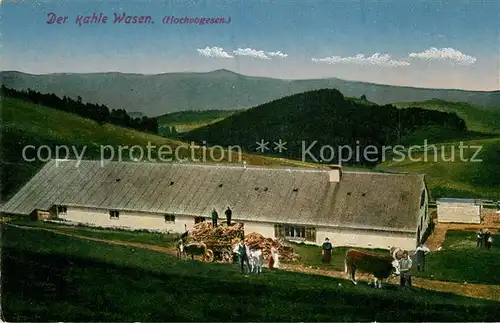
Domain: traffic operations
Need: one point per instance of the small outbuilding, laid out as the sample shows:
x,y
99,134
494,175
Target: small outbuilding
x,y
457,210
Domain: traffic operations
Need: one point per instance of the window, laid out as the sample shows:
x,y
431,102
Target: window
x,y
170,218
114,214
295,232
199,219
62,210
422,199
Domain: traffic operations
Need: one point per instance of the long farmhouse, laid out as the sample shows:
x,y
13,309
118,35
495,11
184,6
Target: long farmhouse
x,y
363,209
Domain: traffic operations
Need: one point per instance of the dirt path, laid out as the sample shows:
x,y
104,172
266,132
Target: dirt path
x,y
491,292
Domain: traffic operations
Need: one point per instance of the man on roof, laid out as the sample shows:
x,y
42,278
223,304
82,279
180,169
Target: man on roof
x,y
228,213
215,217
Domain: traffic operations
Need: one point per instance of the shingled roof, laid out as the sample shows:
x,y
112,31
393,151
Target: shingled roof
x,y
279,195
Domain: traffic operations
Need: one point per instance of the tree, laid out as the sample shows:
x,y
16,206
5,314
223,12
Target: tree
x,y
166,131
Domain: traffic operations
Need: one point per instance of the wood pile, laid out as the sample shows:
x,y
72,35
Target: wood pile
x,y
257,241
230,235
222,234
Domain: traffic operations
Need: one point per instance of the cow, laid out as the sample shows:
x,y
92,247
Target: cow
x,y
192,249
256,260
380,266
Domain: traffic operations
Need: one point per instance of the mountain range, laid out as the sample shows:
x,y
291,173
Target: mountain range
x,y
154,95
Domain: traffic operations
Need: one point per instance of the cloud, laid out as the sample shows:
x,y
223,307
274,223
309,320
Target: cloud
x,y
277,54
376,59
442,54
217,52
251,52
258,53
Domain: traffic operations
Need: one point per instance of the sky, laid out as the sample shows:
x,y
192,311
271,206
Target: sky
x,y
432,44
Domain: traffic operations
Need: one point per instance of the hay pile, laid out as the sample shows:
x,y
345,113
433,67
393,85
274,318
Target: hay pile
x,y
231,235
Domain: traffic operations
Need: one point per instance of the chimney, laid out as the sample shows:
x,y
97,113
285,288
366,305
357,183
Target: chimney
x,y
335,173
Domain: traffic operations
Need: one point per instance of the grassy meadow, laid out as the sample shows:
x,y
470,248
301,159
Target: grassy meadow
x,y
449,175
461,261
138,236
189,120
67,279
477,118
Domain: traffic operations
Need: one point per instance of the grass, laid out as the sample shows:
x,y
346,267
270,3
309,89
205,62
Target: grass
x,y
460,260
189,120
140,236
66,279
450,176
310,255
477,118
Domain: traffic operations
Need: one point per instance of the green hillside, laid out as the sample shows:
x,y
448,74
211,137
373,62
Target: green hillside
x,y
448,175
477,118
26,124
68,279
189,120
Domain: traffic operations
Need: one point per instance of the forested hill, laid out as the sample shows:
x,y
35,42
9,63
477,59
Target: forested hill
x,y
327,118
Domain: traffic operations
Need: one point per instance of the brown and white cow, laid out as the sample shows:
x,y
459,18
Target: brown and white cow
x,y
380,266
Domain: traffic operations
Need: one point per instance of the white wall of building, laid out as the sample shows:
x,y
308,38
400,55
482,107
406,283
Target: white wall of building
x,y
458,213
156,222
127,220
366,239
264,228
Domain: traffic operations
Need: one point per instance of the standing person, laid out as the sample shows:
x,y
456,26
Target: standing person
x,y
271,259
404,269
480,237
215,217
229,213
276,257
489,242
327,251
487,235
421,251
243,256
